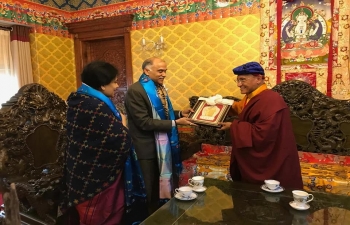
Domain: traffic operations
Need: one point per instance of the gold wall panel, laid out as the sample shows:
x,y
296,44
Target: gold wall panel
x,y
201,55
53,63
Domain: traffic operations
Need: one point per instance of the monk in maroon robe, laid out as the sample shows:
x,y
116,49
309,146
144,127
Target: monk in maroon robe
x,y
263,143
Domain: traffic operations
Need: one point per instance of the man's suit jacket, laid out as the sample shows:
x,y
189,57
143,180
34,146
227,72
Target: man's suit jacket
x,y
141,123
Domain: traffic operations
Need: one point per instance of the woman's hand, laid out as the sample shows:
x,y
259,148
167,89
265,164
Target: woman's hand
x,y
124,120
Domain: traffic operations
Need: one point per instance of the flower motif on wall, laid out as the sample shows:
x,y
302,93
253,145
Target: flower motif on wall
x,y
164,8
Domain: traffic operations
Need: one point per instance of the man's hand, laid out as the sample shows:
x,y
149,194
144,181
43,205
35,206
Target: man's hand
x,y
225,126
186,112
185,121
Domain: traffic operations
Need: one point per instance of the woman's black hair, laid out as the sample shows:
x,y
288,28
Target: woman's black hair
x,y
98,73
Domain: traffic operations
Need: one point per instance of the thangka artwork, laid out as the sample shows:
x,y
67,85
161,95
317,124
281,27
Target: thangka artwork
x,y
305,33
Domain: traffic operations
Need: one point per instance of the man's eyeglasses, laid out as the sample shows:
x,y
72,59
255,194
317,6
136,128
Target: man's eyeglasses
x,y
241,80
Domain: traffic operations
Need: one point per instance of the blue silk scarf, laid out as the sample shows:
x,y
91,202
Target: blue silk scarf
x,y
151,91
87,90
135,191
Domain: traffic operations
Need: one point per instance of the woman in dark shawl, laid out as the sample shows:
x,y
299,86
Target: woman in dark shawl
x,y
102,177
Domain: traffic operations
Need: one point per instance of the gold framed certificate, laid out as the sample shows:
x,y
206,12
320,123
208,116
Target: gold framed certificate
x,y
209,114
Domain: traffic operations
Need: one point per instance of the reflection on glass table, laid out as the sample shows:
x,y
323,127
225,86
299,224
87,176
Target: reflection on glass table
x,y
226,203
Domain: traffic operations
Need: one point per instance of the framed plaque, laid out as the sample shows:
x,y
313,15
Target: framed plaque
x,y
209,114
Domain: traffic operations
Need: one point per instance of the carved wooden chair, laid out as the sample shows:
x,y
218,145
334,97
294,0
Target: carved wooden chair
x,y
32,139
321,124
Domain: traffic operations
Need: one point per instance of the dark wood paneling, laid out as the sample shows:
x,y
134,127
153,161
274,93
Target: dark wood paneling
x,y
87,33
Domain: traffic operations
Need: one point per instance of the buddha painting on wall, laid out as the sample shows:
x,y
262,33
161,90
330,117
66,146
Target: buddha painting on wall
x,y
306,32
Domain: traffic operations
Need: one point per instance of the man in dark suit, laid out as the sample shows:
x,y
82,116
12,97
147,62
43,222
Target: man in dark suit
x,y
150,116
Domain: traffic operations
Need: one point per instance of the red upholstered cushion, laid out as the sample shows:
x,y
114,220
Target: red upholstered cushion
x,y
212,161
215,149
319,158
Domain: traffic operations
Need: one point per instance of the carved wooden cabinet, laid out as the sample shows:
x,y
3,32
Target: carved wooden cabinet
x,y
106,39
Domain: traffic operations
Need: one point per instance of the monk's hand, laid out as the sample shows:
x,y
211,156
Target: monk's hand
x,y
224,125
185,121
186,113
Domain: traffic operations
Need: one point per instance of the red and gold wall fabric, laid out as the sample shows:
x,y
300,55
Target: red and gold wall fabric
x,y
42,19
180,12
73,5
307,40
148,13
151,14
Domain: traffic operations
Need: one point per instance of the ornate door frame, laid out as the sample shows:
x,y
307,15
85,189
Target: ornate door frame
x,y
97,29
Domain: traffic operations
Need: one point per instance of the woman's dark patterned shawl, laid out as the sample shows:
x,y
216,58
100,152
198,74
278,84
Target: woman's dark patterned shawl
x,y
98,145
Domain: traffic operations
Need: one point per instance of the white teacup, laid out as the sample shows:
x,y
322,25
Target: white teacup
x,y
184,192
302,197
272,184
196,181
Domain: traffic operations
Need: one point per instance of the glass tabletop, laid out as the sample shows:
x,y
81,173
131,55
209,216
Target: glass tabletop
x,y
226,203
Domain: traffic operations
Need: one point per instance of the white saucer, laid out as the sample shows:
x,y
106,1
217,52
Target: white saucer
x,y
199,189
279,189
297,207
191,197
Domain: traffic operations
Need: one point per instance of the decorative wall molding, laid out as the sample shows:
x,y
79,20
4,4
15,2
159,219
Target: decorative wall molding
x,y
147,13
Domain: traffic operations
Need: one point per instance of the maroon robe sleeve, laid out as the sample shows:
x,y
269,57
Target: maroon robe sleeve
x,y
245,134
